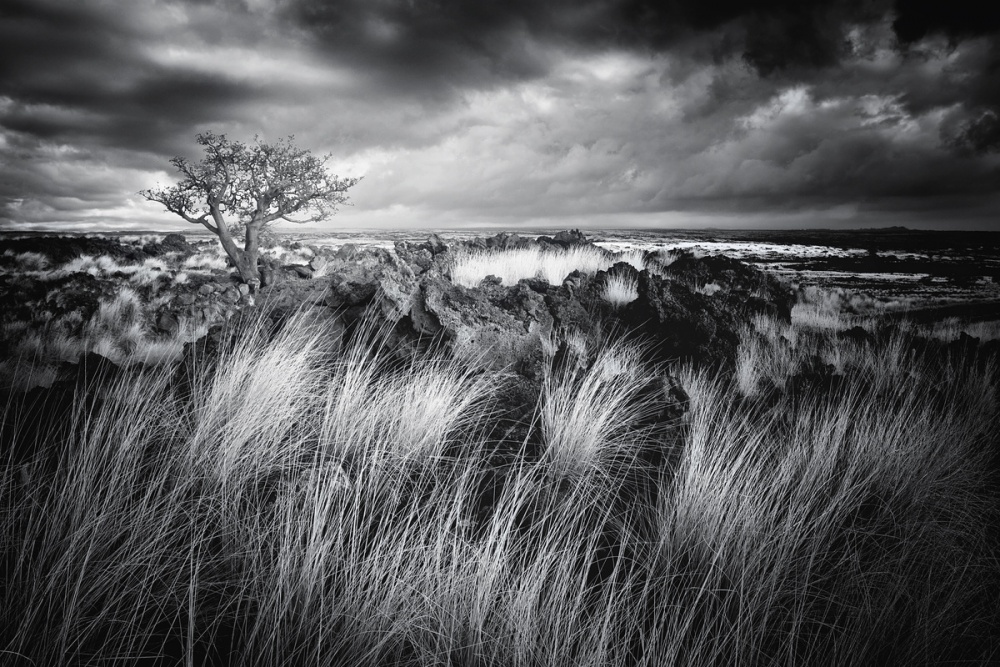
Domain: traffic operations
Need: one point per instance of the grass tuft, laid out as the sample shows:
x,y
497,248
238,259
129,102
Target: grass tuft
x,y
620,290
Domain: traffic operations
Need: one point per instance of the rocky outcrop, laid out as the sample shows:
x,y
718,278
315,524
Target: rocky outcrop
x,y
359,279
680,323
509,326
77,296
564,239
742,287
502,241
171,243
521,327
490,326
430,256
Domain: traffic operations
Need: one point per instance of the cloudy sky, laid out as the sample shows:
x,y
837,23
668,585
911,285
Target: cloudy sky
x,y
592,113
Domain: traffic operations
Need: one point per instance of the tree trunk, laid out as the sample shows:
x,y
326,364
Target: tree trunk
x,y
250,251
235,254
229,245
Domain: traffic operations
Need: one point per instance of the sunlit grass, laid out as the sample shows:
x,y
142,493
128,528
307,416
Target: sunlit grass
x,y
298,500
620,290
510,266
214,259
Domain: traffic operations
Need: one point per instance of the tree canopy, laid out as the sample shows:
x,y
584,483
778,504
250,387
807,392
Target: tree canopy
x,y
245,187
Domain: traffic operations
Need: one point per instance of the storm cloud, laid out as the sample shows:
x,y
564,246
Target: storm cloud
x,y
601,112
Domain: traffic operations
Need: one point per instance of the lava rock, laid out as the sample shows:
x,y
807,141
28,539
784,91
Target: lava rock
x,y
300,270
681,324
743,287
168,323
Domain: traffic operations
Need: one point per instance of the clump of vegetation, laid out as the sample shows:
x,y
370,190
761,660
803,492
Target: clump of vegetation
x,y
298,499
510,266
620,290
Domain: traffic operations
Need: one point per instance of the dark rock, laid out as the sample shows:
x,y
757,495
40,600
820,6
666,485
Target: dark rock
x,y
374,275
186,298
79,292
502,241
61,249
175,243
565,239
206,289
857,335
171,243
681,324
436,245
574,304
168,323
744,288
419,258
285,298
300,270
496,327
267,275
94,370
346,252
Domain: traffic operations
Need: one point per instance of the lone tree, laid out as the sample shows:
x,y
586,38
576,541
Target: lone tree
x,y
246,187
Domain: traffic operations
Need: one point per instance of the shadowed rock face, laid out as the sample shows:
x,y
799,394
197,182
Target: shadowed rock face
x,y
744,289
491,326
681,324
508,327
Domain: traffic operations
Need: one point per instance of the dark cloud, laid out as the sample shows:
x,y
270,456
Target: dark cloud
x,y
981,134
979,90
482,42
955,19
641,106
432,47
80,73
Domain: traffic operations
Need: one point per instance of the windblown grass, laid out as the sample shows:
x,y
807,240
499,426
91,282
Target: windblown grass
x,y
510,266
837,531
296,501
118,330
620,290
213,259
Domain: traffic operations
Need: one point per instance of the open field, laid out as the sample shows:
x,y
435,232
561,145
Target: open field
x,y
362,481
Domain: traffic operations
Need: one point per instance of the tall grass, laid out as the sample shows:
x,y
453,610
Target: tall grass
x,y
300,501
836,531
118,330
510,266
